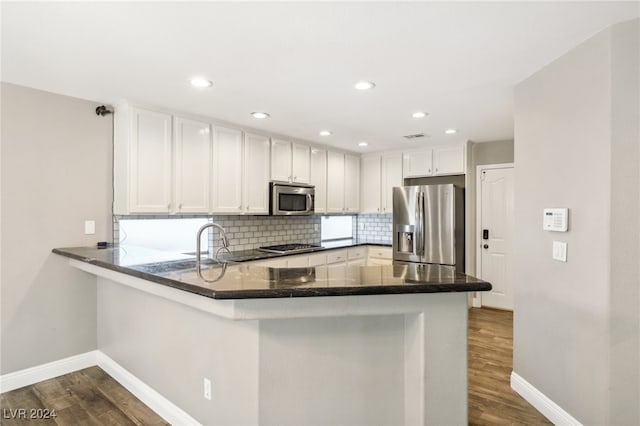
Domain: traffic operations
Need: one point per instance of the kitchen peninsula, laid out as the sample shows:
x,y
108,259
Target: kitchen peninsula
x,y
348,345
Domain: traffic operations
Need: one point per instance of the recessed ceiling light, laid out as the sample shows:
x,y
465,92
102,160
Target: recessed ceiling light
x,y
363,143
260,115
364,85
451,131
325,133
201,82
419,114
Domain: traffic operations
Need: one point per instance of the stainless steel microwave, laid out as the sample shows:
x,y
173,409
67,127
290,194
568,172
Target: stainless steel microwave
x,y
290,198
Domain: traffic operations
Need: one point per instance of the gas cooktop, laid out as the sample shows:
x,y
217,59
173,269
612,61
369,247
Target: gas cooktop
x,y
289,248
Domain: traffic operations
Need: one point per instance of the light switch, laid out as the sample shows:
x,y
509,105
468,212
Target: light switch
x,y
89,227
560,251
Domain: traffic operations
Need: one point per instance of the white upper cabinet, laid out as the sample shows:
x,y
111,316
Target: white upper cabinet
x,y
149,162
352,183
255,198
281,160
335,182
343,183
318,178
289,161
380,173
227,169
370,190
448,160
435,161
300,163
192,165
391,176
417,163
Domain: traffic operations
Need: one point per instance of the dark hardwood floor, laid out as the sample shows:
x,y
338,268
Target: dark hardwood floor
x,y
84,397
491,399
92,397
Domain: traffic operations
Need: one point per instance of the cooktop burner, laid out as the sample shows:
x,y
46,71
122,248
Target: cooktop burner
x,y
289,248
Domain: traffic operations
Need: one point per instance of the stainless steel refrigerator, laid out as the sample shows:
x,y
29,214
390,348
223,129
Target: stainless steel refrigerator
x,y
428,225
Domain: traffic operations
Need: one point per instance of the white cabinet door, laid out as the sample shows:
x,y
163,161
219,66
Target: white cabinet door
x,y
448,160
150,162
352,183
300,163
227,170
318,178
335,182
370,184
192,159
256,174
417,163
281,160
391,176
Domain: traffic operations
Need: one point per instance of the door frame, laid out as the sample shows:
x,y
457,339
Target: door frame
x,y
476,301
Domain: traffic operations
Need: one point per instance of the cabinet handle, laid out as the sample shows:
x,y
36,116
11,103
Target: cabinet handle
x,y
436,169
169,206
429,170
180,206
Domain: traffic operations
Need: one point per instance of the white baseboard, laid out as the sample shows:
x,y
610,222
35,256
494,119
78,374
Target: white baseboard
x,y
547,407
154,400
29,376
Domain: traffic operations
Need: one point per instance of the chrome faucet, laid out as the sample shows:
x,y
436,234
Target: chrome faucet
x,y
223,238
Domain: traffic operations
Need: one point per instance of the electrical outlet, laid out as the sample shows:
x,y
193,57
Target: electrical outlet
x,y
207,389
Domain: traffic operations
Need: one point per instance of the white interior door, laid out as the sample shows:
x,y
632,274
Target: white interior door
x,y
495,229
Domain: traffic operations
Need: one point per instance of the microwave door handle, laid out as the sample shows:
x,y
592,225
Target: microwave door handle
x,y
309,203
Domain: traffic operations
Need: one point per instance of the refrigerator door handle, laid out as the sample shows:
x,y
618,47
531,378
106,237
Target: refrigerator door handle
x,y
420,224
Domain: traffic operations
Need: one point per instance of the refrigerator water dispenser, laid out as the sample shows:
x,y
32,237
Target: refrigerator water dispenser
x,y
405,239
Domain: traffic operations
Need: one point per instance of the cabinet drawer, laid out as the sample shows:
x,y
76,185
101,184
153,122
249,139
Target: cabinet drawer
x,y
380,252
356,253
297,261
317,259
336,256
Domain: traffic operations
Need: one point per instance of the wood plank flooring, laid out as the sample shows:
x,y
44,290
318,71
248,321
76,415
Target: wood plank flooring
x,y
84,397
491,399
92,397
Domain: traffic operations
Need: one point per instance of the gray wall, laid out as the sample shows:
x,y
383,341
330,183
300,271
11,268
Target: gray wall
x,y
56,173
480,154
491,152
575,148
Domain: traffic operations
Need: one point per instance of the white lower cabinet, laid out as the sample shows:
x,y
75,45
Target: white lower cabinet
x,y
333,259
301,261
378,255
317,259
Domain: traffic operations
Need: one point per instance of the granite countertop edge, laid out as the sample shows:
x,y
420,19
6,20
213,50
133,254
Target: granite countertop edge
x,y
427,287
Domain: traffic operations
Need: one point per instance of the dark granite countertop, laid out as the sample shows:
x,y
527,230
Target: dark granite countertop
x,y
245,281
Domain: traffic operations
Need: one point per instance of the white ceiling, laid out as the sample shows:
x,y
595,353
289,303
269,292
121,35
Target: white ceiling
x,y
458,61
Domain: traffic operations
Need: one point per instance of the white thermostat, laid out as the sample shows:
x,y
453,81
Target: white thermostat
x,y
556,220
